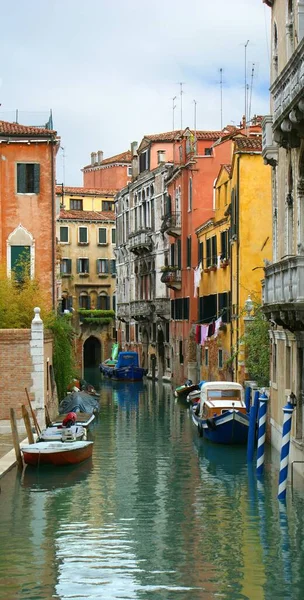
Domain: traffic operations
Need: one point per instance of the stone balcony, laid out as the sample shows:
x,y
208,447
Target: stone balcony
x,y
283,292
141,241
123,311
162,308
288,101
172,277
141,310
172,224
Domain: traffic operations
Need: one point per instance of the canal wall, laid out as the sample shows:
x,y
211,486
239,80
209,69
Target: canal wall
x,y
26,362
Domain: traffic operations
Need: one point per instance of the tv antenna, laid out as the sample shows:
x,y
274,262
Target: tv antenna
x,y
245,77
181,83
250,95
173,109
195,103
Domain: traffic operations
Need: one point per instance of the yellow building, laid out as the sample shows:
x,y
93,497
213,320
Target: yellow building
x,y
232,249
86,236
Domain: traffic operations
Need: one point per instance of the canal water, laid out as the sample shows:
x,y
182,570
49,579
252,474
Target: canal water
x,y
158,514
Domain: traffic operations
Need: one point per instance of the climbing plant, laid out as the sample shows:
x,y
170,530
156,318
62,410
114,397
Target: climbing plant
x,y
64,363
257,346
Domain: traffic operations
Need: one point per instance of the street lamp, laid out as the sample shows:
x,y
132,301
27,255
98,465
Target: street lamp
x,y
249,306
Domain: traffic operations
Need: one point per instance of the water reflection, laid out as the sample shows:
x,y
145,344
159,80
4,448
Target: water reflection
x,y
158,514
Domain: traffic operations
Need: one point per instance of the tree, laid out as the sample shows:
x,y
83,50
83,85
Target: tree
x,y
257,345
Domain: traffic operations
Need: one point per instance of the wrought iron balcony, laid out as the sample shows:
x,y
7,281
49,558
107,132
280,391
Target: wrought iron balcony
x,y
283,292
172,277
140,310
123,311
141,241
172,224
288,101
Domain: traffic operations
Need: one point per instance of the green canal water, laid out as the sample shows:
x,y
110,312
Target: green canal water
x,y
158,514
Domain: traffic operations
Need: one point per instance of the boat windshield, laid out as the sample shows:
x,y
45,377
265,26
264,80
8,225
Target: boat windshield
x,y
219,394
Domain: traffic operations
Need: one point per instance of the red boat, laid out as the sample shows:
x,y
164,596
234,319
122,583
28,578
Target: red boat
x,y
57,453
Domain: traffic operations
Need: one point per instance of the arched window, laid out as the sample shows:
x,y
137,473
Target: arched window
x,y
103,301
84,300
20,252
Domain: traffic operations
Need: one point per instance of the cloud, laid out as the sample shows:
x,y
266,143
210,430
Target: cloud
x,y
110,70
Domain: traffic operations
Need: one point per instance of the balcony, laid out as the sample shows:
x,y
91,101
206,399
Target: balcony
x,y
283,293
172,277
172,224
141,310
141,242
162,308
123,311
269,146
288,101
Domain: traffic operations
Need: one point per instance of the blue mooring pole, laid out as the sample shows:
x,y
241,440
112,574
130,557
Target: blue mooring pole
x,y
252,427
247,398
287,410
263,400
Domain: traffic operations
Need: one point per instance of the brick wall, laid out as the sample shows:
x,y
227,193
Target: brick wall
x,y
16,368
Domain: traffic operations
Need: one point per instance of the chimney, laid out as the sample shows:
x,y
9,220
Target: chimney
x,y
93,158
134,159
99,156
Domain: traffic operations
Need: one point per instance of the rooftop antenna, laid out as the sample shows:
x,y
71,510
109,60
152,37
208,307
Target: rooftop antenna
x,y
245,76
251,86
195,103
221,92
173,109
63,164
181,102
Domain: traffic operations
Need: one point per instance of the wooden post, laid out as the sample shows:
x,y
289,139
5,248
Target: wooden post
x,y
16,438
27,424
38,430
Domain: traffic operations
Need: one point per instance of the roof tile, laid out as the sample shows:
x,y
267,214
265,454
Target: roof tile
x,y
7,128
87,215
248,144
81,191
123,157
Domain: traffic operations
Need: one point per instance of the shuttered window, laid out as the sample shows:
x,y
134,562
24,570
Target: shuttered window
x,y
83,235
102,235
28,178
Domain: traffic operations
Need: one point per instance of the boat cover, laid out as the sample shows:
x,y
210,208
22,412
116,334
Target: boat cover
x,y
79,402
127,359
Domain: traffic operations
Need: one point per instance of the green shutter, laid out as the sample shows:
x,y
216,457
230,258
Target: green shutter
x,y
36,189
21,178
113,235
97,266
78,265
107,303
114,302
113,266
106,266
102,235
83,237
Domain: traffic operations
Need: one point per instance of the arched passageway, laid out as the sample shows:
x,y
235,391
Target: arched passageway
x,y
92,360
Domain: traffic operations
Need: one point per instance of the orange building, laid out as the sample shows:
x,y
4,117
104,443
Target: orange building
x,y
27,202
190,203
108,173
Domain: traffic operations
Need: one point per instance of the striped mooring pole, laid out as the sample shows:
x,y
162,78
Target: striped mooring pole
x,y
287,410
263,401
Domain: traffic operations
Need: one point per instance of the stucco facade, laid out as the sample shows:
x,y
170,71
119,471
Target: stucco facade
x,y
111,173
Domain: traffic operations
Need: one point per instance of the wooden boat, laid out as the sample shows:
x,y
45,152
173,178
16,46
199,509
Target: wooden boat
x,y
125,368
57,453
194,396
182,391
220,415
83,419
58,433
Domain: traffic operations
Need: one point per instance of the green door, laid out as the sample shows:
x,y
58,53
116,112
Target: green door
x,y
20,261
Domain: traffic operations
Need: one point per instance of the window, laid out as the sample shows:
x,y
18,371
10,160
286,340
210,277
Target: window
x,y
224,245
224,311
64,235
208,253
214,250
189,251
84,301
114,306
129,171
144,161
102,265
113,234
220,358
103,301
28,178
65,266
179,254
206,357
190,194
20,261
108,205
83,235
200,253
161,156
102,235
181,357
113,266
76,204
82,266
208,151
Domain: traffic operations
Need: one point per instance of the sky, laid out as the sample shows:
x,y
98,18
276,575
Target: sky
x,y
109,70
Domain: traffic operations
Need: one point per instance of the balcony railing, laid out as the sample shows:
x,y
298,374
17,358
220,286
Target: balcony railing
x,y
172,277
140,309
283,292
172,224
288,100
162,307
141,241
123,311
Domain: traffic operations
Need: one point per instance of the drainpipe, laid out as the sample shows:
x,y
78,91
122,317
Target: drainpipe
x,y
237,205
53,222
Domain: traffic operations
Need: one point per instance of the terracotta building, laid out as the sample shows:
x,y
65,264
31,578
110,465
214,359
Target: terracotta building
x,y
283,152
86,234
108,173
27,202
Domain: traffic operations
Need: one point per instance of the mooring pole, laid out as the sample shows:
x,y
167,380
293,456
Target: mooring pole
x,y
287,410
263,401
16,438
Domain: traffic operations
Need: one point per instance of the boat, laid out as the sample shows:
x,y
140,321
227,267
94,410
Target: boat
x,y
66,431
194,396
82,419
220,415
79,402
125,368
57,453
182,391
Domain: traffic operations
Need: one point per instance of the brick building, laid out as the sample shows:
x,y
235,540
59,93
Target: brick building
x,y
108,173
